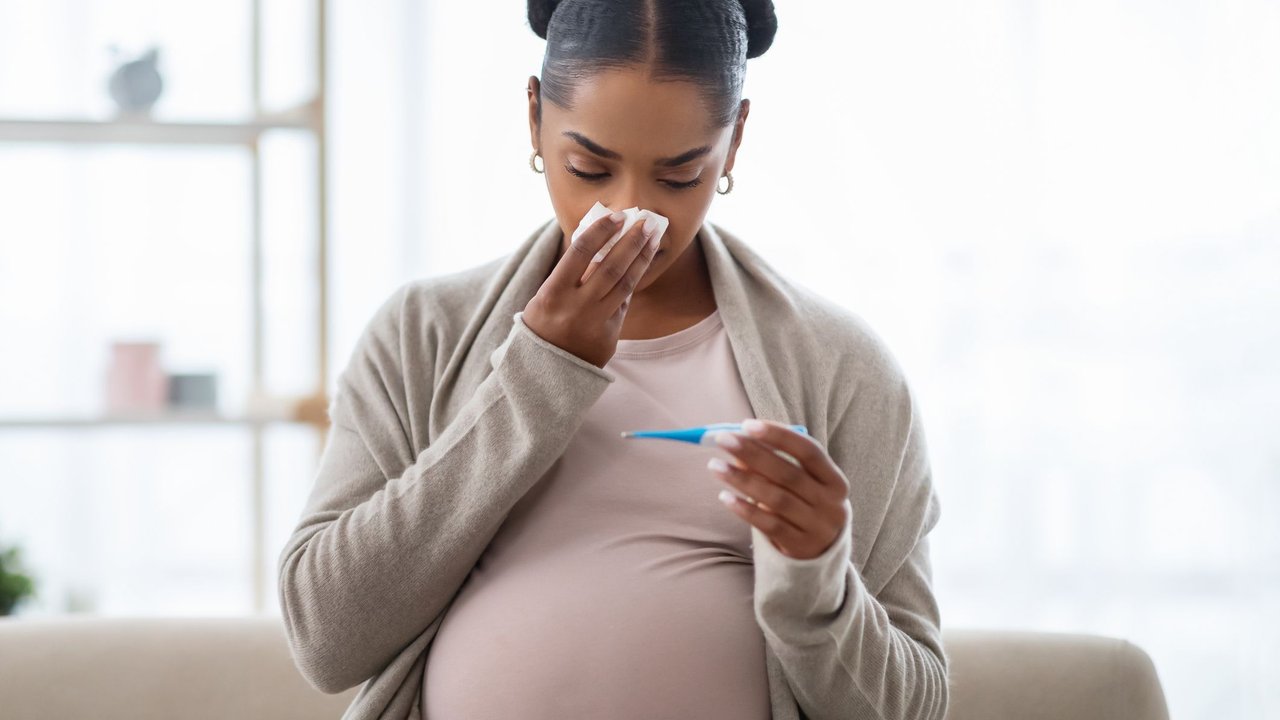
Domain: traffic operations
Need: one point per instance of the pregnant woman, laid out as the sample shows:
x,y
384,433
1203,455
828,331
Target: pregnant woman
x,y
481,542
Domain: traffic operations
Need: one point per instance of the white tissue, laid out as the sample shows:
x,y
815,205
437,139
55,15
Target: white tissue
x,y
633,215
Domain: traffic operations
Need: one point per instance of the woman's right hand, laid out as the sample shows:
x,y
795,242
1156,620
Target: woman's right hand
x,y
585,317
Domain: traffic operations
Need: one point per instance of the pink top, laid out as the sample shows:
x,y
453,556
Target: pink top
x,y
618,586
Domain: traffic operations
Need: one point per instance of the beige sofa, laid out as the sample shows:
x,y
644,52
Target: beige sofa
x,y
82,666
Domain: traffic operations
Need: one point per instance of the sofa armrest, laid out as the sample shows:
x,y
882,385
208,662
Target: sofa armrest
x,y
1028,675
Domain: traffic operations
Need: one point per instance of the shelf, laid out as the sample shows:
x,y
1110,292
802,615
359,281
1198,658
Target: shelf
x,y
307,411
175,418
144,131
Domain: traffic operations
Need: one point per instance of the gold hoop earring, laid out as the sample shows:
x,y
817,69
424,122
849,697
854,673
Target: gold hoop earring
x,y
727,190
535,167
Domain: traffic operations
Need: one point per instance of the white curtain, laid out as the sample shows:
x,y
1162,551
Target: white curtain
x,y
1063,217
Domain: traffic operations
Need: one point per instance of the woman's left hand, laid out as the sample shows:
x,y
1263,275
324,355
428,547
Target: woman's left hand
x,y
801,506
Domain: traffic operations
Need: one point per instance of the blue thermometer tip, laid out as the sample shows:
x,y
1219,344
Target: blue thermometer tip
x,y
697,435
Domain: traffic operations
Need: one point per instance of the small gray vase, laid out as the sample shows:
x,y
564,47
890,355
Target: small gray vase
x,y
136,85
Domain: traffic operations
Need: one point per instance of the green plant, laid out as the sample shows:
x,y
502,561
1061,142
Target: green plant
x,y
14,585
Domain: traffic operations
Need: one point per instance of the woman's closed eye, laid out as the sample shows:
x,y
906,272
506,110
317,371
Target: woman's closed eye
x,y
596,177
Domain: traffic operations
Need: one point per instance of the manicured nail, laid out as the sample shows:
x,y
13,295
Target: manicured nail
x,y
752,426
726,497
718,465
726,439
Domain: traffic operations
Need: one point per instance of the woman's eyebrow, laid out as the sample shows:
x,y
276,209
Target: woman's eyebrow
x,y
604,152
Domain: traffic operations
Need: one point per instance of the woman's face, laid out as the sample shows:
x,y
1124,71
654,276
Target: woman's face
x,y
639,143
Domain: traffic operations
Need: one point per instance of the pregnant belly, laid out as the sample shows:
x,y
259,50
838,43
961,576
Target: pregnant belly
x,y
622,635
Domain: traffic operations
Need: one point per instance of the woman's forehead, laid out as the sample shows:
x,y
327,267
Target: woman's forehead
x,y
629,113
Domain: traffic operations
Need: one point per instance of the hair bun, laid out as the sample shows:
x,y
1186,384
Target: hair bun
x,y
762,25
540,15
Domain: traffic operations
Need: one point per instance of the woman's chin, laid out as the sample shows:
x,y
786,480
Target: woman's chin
x,y
652,272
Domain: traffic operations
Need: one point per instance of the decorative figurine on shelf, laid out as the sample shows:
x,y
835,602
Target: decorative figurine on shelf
x,y
136,85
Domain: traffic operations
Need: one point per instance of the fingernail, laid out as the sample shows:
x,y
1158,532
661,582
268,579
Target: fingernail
x,y
752,426
726,497
726,439
718,465
650,224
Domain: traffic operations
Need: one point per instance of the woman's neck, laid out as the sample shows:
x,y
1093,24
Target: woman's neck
x,y
677,299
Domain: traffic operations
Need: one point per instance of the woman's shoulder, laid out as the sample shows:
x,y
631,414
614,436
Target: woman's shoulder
x,y
423,313
451,294
821,330
844,336
442,298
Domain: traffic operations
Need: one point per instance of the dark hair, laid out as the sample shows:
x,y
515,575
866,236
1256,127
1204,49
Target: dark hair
x,y
706,42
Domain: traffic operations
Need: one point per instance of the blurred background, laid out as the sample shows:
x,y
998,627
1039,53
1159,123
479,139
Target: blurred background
x,y
1064,218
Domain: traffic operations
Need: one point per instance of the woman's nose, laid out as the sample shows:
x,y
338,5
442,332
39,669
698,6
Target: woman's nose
x,y
632,194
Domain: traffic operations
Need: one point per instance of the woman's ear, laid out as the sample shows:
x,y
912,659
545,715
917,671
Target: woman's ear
x,y
533,111
743,108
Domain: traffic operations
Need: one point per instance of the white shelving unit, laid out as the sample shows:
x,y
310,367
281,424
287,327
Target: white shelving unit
x,y
153,132
263,410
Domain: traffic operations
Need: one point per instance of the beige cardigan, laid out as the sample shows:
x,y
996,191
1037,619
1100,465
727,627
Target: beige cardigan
x,y
450,408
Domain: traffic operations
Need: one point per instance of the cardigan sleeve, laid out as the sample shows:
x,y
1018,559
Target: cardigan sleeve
x,y
854,644
381,549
